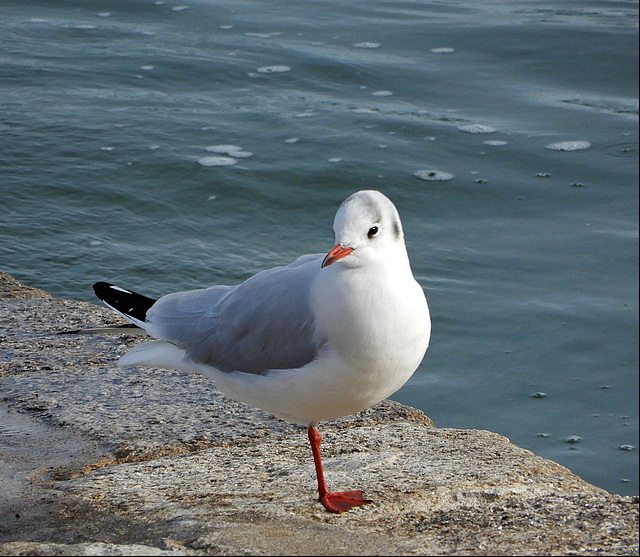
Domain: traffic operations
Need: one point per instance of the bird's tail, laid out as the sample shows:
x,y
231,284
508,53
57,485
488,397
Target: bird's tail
x,y
131,305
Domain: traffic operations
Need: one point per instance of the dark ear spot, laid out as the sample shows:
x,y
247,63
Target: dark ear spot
x,y
397,229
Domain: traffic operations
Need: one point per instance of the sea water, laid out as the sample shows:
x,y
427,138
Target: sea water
x,y
168,145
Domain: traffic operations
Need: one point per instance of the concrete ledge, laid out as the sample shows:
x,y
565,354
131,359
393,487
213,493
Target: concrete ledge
x,y
97,460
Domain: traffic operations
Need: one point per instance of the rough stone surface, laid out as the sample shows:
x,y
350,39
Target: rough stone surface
x,y
11,288
98,460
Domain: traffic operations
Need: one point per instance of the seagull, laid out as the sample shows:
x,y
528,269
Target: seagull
x,y
324,337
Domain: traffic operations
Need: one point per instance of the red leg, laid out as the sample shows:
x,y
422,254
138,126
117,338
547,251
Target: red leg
x,y
333,502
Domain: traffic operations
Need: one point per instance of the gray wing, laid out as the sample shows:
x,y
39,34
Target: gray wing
x,y
264,323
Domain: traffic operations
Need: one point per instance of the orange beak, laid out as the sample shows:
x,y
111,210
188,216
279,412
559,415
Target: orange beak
x,y
336,253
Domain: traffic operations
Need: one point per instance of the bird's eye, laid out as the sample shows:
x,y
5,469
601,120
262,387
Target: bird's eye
x,y
372,231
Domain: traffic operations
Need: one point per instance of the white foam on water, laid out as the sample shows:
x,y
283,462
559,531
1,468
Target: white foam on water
x,y
274,69
147,68
179,8
264,35
292,140
234,151
443,50
476,128
103,14
335,159
382,93
568,146
433,175
225,149
496,142
217,161
367,44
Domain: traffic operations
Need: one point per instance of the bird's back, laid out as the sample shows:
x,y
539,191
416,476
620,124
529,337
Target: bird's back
x,y
248,327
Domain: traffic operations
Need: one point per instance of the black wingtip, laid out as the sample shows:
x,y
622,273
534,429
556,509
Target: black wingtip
x,y
100,289
125,301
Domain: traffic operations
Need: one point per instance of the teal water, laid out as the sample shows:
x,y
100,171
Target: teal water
x,y
113,120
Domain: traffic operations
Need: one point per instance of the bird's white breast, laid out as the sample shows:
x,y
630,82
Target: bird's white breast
x,y
376,320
